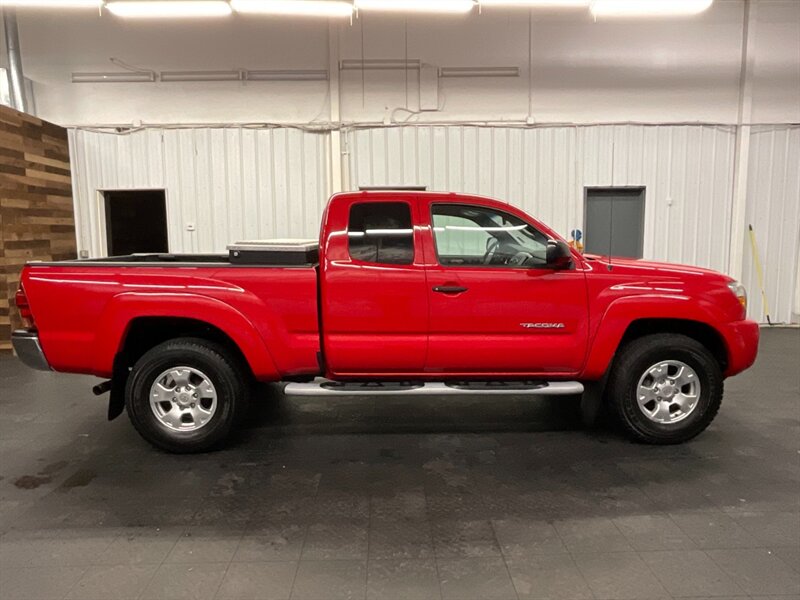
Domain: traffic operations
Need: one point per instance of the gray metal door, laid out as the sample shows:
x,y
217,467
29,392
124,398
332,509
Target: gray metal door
x,y
614,221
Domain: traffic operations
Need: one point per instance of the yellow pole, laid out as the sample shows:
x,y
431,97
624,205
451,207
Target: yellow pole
x,y
759,272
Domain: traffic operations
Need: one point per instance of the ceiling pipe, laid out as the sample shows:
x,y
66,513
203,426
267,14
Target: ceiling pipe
x,y
17,79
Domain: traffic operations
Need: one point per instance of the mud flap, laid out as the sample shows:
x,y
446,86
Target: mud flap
x,y
592,403
116,400
119,380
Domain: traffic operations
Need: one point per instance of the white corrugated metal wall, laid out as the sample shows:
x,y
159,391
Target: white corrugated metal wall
x,y
237,183
230,183
773,194
687,172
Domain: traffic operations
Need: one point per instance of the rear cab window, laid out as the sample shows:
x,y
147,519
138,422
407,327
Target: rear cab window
x,y
381,233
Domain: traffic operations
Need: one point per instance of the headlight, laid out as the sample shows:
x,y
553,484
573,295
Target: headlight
x,y
740,293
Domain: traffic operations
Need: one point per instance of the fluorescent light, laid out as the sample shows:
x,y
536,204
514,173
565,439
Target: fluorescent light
x,y
120,77
51,3
173,76
537,3
379,64
158,9
479,72
648,8
287,75
426,6
303,8
200,76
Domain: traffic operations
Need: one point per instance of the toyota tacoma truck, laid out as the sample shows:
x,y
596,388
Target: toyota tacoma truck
x,y
405,293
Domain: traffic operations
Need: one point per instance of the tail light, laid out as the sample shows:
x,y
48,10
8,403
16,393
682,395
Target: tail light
x,y
21,300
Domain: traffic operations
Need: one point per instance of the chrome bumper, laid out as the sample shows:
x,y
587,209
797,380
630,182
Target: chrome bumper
x,y
29,350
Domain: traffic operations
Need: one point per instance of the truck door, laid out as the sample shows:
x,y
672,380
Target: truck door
x,y
495,307
373,288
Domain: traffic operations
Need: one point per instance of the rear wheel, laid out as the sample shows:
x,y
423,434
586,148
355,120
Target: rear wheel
x,y
665,388
186,395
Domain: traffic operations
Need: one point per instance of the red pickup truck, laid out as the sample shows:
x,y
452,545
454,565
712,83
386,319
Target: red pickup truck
x,y
409,293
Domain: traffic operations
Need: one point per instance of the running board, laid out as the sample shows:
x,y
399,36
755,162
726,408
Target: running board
x,y
325,387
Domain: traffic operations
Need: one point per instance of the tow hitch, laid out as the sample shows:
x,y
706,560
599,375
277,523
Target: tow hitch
x,y
102,388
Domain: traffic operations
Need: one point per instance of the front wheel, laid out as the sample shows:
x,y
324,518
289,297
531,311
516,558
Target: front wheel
x,y
665,388
186,395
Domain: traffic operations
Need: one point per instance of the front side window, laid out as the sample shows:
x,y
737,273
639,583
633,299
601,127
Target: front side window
x,y
476,236
381,232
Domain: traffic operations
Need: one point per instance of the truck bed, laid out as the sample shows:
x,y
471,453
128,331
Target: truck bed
x,y
84,308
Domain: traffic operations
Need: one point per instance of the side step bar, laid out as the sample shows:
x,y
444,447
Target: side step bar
x,y
325,387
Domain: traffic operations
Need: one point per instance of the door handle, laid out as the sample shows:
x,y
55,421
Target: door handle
x,y
449,289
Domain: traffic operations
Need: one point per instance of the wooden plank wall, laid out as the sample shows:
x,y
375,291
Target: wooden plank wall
x,y
36,211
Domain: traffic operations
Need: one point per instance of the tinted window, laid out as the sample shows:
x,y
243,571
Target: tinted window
x,y
483,237
381,232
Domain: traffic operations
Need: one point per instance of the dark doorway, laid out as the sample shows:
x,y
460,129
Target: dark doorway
x,y
136,221
615,221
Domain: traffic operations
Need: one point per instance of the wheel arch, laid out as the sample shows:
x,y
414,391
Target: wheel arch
x,y
614,333
131,325
144,333
701,332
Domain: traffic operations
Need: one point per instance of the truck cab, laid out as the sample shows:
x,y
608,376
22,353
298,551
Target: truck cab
x,y
448,285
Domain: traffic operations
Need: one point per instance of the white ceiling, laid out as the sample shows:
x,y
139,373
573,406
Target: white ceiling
x,y
613,70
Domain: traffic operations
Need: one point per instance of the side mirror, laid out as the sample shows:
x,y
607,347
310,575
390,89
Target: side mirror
x,y
558,255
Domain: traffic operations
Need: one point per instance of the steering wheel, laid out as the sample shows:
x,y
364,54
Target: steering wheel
x,y
519,259
491,247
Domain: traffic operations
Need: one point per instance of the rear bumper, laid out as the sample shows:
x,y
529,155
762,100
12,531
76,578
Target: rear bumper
x,y
741,338
29,350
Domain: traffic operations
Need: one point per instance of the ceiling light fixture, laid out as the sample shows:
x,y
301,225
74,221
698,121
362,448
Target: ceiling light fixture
x,y
51,3
379,64
479,72
138,77
302,8
417,6
648,8
287,75
164,9
537,3
178,76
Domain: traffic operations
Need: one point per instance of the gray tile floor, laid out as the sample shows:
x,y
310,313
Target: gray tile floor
x,y
402,499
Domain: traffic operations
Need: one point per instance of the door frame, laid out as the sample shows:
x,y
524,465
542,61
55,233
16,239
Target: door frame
x,y
100,229
338,258
434,268
641,188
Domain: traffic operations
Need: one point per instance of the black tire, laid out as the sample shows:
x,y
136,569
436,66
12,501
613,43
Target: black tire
x,y
632,362
229,379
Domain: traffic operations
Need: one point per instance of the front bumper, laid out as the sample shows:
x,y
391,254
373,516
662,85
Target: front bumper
x,y
741,338
29,350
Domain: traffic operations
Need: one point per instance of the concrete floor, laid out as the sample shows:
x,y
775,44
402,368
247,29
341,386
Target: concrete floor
x,y
402,499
